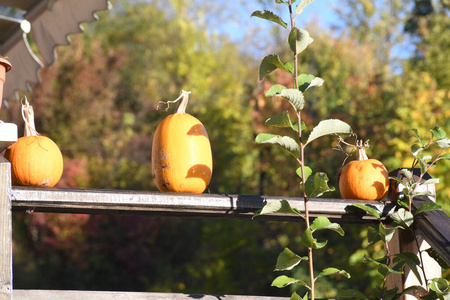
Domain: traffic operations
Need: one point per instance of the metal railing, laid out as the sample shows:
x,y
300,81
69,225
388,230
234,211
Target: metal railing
x,y
433,226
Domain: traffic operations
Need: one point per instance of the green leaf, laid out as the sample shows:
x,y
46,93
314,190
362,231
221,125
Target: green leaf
x,y
433,254
416,149
279,206
294,96
403,203
310,242
413,290
308,239
386,234
284,120
283,281
327,127
304,81
430,181
299,39
308,172
438,133
333,271
368,209
319,245
391,294
407,173
385,270
402,219
424,157
373,235
353,294
321,223
445,156
302,6
285,142
270,16
280,120
295,296
423,164
383,265
368,259
416,134
317,81
274,89
443,143
411,260
425,193
440,286
295,126
289,67
427,207
287,260
270,63
317,184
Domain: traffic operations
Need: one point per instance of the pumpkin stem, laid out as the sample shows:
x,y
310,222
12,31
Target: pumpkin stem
x,y
360,152
181,108
28,117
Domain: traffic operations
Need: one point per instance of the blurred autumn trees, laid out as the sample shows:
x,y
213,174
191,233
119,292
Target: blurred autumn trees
x,y
385,69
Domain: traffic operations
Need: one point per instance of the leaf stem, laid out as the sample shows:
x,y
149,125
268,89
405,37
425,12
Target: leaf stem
x,y
302,161
295,54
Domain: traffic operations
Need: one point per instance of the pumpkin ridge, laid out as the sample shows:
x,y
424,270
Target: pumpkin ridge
x,y
182,145
364,178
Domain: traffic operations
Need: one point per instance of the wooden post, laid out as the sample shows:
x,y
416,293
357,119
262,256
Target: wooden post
x,y
403,242
5,231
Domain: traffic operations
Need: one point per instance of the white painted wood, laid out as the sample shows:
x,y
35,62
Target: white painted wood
x,y
95,295
435,227
5,231
8,135
431,226
177,204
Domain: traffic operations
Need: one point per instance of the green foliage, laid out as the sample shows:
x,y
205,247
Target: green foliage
x,y
412,185
281,206
285,142
283,281
403,219
268,15
98,102
288,260
313,185
329,127
317,185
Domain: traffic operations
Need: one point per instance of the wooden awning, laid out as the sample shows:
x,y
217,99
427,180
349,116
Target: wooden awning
x,y
50,22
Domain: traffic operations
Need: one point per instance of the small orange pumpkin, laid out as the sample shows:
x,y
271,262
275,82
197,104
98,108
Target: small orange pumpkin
x,y
35,159
181,152
364,178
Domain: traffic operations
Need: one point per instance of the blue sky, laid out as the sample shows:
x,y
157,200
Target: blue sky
x,y
319,10
252,33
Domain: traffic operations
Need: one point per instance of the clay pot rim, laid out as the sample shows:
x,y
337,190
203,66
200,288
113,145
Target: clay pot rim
x,y
5,63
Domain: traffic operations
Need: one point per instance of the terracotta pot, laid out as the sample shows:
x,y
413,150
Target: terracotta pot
x,y
5,66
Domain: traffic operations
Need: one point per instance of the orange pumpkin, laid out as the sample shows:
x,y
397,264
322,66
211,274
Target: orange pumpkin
x,y
35,160
364,178
181,153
